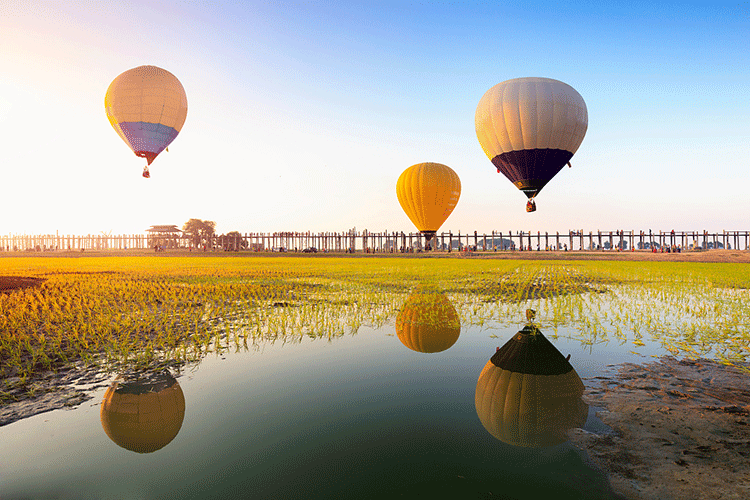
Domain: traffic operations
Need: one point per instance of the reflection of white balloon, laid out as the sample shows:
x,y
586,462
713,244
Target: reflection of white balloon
x,y
528,394
530,128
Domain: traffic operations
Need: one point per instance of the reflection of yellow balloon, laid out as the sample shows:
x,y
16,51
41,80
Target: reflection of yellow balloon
x,y
528,394
143,415
428,322
428,193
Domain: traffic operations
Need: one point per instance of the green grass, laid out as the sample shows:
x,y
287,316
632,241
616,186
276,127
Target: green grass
x,y
148,311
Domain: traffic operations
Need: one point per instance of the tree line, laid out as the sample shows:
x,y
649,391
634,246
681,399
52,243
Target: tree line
x,y
203,232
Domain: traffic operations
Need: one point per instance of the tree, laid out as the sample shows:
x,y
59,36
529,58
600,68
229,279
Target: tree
x,y
232,241
200,231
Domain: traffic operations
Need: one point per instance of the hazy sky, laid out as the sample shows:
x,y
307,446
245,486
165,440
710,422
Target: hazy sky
x,y
301,116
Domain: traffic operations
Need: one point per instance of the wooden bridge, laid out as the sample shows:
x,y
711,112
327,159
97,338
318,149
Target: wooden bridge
x,y
392,242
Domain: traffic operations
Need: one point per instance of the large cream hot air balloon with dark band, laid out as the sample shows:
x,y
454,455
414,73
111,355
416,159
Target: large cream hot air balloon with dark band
x,y
147,107
530,128
143,413
428,193
528,394
428,322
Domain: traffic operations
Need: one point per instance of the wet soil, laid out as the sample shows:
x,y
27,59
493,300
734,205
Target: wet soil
x,y
66,388
681,430
10,283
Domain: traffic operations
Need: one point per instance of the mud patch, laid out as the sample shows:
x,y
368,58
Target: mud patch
x,y
10,283
65,389
681,430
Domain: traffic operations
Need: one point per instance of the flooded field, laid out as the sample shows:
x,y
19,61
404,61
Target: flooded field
x,y
338,378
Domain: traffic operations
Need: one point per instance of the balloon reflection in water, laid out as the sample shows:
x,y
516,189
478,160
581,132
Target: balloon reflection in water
x,y
428,322
528,394
143,413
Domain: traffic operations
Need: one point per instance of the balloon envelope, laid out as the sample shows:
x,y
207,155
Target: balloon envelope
x,y
147,107
428,193
530,128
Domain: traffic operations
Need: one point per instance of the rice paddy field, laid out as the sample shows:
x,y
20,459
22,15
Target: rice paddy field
x,y
153,311
306,377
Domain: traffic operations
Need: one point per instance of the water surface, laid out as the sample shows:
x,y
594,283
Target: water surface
x,y
359,416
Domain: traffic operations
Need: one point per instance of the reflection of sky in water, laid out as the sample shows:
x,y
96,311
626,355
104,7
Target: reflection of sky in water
x,y
360,416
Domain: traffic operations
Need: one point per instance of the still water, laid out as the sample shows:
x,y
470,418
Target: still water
x,y
359,416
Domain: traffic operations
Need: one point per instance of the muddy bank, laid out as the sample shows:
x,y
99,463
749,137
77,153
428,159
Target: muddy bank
x,y
67,388
11,283
681,430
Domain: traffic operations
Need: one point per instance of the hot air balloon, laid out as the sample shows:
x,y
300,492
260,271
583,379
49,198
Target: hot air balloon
x,y
143,413
428,322
428,193
528,394
147,107
530,128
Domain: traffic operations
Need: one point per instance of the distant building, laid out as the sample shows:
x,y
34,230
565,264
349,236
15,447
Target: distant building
x,y
164,236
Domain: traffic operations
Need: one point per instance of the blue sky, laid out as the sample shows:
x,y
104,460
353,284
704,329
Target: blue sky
x,y
301,116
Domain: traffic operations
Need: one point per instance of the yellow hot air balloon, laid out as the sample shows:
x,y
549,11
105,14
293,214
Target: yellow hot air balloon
x,y
144,413
428,322
530,128
428,193
528,394
147,107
